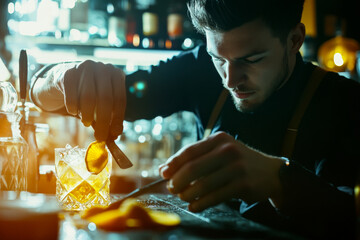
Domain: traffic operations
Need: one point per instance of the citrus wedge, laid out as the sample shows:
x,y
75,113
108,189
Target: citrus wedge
x,y
133,215
164,218
96,157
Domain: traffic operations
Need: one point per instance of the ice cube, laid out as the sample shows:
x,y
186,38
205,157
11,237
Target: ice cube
x,y
75,150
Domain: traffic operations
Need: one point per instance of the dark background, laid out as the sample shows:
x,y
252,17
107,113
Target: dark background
x,y
346,10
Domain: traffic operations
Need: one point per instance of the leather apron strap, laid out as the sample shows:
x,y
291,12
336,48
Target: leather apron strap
x,y
215,113
292,129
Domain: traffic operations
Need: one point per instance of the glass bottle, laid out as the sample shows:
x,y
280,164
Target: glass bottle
x,y
132,23
97,18
150,26
175,19
117,26
29,134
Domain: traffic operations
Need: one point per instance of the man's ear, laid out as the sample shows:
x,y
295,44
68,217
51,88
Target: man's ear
x,y
296,37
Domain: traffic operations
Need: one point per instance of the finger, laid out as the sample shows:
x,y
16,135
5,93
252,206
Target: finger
x,y
87,97
162,167
119,94
216,197
191,152
71,85
197,169
104,103
210,162
210,183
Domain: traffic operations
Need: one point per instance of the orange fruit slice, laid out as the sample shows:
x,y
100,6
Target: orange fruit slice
x,y
164,218
133,215
96,157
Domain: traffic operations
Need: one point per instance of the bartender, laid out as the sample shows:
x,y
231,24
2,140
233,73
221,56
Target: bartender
x,y
285,137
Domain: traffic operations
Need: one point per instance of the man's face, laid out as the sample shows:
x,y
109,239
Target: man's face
x,y
251,62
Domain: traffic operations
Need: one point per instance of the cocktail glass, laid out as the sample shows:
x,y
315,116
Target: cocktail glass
x,y
76,188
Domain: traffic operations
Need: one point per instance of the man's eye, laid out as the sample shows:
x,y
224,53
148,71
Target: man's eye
x,y
253,60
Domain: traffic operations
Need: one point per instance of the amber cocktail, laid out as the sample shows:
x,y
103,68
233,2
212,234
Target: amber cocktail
x,y
77,188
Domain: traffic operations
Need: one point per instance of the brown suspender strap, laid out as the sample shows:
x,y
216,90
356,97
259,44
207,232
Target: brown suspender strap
x,y
215,113
291,132
292,129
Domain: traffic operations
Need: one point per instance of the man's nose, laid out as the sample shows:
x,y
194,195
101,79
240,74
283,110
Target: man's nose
x,y
235,75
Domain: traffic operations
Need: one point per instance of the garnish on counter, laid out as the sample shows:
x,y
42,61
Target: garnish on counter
x,y
96,157
131,215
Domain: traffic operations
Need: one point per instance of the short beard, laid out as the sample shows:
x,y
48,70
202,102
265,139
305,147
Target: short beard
x,y
283,75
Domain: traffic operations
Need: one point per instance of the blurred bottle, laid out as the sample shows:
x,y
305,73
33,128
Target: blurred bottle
x,y
175,20
98,19
133,23
150,25
29,135
63,22
28,132
117,24
47,23
79,15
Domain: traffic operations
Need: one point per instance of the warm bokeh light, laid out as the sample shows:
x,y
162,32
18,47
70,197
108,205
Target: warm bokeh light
x,y
338,54
168,44
136,40
338,59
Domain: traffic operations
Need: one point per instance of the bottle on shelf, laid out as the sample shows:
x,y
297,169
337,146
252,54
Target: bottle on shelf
x,y
117,24
174,28
150,25
132,23
97,19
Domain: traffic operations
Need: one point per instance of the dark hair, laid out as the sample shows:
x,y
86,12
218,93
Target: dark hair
x,y
223,15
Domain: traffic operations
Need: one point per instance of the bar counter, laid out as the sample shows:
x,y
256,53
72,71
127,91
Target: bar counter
x,y
42,219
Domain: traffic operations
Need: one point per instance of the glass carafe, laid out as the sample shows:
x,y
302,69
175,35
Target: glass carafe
x,y
13,148
13,154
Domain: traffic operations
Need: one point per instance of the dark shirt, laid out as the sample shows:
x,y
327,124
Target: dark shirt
x,y
318,188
